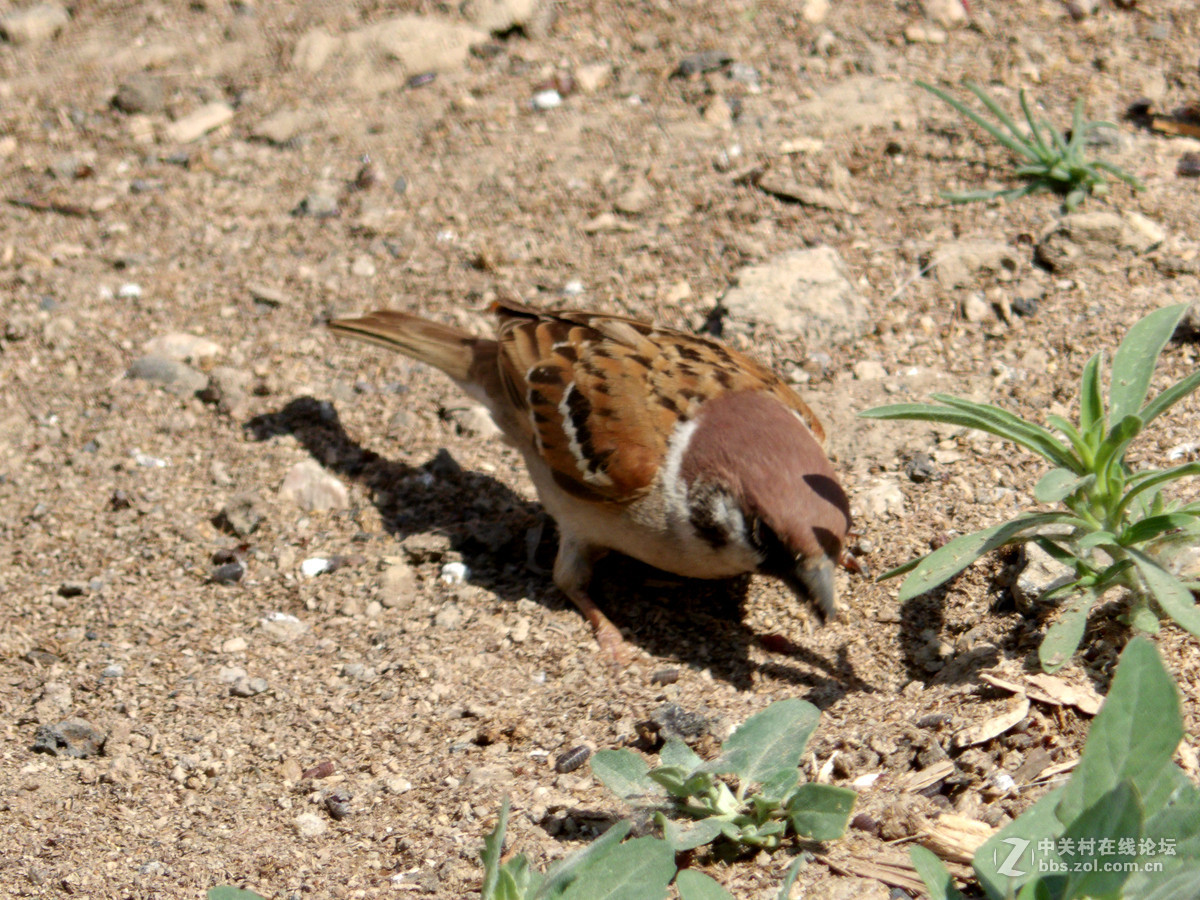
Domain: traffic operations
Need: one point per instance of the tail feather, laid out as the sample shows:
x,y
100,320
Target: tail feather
x,y
450,349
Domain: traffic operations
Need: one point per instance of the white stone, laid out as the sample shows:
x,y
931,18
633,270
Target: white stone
x,y
312,488
199,123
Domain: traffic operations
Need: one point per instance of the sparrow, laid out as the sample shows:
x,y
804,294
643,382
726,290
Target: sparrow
x,y
665,446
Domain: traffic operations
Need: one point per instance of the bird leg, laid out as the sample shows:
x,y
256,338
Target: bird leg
x,y
572,574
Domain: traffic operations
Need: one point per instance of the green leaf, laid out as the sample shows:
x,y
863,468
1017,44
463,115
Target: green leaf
x,y
1014,144
820,811
1004,424
947,561
1134,362
1134,735
698,886
565,872
1170,397
1147,529
493,848
676,753
789,879
703,832
1116,815
937,880
1091,400
1170,594
1043,444
225,892
779,785
639,869
624,773
1059,483
675,780
1112,448
1142,618
1143,481
1063,637
768,742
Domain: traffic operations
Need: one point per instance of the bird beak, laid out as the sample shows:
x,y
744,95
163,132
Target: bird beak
x,y
815,582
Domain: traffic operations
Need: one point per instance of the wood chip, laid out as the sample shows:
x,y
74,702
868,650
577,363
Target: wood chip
x,y
915,782
955,837
995,726
1052,690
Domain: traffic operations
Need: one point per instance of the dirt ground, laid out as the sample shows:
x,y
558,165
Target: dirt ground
x,y
431,700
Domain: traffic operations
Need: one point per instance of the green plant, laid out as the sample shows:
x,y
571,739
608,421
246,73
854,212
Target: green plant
x,y
605,869
227,892
765,751
1126,824
1051,161
1116,529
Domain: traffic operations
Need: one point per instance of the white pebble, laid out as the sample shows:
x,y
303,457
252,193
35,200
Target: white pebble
x,y
543,100
315,565
573,288
455,573
152,462
129,291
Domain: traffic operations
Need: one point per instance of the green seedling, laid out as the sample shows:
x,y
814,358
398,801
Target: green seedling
x,y
606,869
1126,824
1115,528
1049,161
760,804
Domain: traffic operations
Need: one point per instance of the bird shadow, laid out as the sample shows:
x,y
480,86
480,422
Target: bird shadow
x,y
695,622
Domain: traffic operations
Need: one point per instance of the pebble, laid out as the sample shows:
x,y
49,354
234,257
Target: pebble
x,y
129,291
200,122
922,33
884,498
234,645
974,308
961,263
229,573
310,825
814,12
454,573
397,585
705,61
869,370
230,674
338,805
803,294
475,421
544,100
363,267
320,203
248,687
1087,238
283,127
71,737
115,670
313,489
182,347
591,77
1039,573
148,461
140,93
636,200
316,565
34,24
72,589
920,468
282,627
744,73
177,377
449,617
240,516
947,13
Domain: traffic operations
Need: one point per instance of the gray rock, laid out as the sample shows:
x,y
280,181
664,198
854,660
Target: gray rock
x,y
961,263
229,573
175,376
141,93
184,347
313,489
70,737
34,24
1040,572
801,294
241,516
283,127
321,202
228,388
248,687
1089,238
282,627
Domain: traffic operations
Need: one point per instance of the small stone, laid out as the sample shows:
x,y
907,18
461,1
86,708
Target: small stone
x,y
1040,572
320,203
71,737
316,565
234,645
544,100
869,370
58,332
230,674
363,267
449,617
705,61
229,573
199,123
397,585
920,468
947,13
140,93
115,670
884,498
248,687
744,73
312,488
636,200
814,12
338,805
961,263
975,308
591,77
129,291
397,785
281,128
310,825
475,421
519,633
268,296
923,33
454,573
240,516
34,24
183,347
177,377
72,589
282,627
